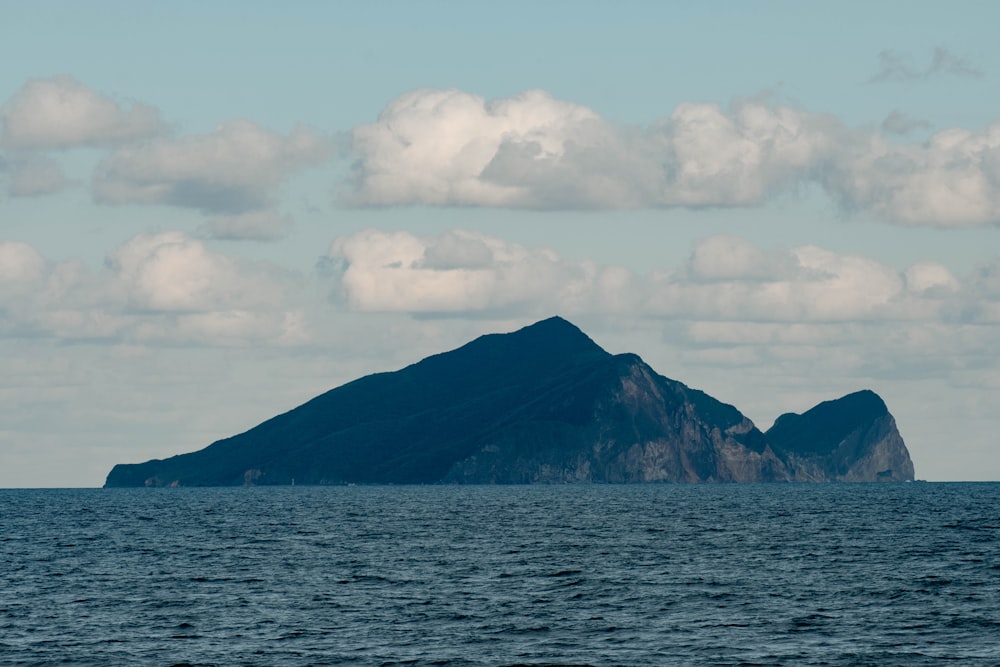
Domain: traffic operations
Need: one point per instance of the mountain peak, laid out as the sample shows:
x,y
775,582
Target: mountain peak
x,y
540,347
554,328
558,332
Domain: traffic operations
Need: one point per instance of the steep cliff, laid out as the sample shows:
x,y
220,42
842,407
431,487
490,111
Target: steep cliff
x,y
851,439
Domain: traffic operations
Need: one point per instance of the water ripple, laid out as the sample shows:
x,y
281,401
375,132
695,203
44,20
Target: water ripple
x,y
589,575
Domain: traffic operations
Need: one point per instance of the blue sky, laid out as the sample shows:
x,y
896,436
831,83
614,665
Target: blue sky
x,y
211,212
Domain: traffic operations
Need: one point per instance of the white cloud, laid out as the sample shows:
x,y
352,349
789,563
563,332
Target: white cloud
x,y
234,169
60,112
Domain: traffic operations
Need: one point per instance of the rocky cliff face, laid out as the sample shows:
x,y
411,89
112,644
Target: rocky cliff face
x,y
638,427
543,404
851,439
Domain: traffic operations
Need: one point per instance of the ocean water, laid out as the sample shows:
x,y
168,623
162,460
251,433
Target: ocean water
x,y
849,574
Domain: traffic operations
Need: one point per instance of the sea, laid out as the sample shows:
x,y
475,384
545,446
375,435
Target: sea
x,y
770,574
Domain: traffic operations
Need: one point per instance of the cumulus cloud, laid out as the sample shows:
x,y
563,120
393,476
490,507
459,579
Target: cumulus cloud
x,y
232,170
895,66
60,112
431,146
533,151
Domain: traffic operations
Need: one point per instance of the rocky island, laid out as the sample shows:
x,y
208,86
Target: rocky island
x,y
544,404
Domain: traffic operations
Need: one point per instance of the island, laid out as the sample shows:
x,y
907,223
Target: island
x,y
544,404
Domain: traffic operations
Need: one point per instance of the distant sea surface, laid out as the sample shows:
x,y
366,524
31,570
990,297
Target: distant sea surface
x,y
836,574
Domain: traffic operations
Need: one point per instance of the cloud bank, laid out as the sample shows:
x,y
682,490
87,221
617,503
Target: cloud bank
x,y
450,148
725,278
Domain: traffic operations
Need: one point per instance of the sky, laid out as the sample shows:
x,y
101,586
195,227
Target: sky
x,y
211,212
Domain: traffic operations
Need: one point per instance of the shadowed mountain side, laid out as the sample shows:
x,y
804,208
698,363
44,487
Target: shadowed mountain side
x,y
851,439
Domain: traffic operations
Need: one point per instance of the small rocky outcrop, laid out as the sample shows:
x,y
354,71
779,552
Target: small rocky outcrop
x,y
851,439
541,405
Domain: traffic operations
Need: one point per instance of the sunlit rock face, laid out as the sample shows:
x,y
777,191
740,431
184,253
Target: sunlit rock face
x,y
544,404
